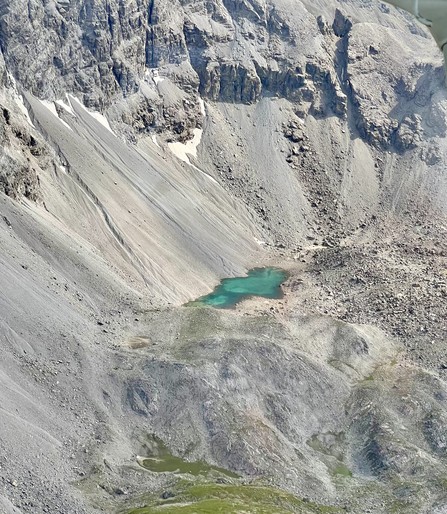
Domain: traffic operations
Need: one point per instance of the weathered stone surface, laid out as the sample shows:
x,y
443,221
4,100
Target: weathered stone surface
x,y
323,151
236,52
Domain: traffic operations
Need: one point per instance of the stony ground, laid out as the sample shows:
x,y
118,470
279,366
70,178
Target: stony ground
x,y
323,151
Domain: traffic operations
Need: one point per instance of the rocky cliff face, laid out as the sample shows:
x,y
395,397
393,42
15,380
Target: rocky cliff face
x,y
145,64
231,52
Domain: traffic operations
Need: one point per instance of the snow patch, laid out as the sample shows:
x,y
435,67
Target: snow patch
x,y
182,150
102,119
156,76
52,108
94,114
18,100
66,106
154,140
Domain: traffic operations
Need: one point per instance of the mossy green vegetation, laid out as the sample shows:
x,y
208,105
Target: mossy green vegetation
x,y
161,460
264,282
342,470
213,498
331,445
170,463
206,489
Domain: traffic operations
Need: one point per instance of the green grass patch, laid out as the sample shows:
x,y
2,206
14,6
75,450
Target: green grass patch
x,y
212,498
342,470
161,460
170,463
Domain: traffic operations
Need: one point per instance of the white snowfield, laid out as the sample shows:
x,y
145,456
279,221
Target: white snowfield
x,y
66,105
97,115
18,99
184,151
52,108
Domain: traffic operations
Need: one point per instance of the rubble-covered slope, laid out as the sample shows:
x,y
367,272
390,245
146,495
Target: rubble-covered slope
x,y
150,148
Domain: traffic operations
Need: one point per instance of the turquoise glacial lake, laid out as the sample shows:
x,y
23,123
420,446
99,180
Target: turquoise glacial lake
x,y
263,282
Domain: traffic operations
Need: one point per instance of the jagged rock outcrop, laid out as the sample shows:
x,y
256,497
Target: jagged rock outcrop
x,y
145,64
236,52
22,150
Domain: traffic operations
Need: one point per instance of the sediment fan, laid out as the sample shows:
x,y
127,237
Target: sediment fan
x,y
433,14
